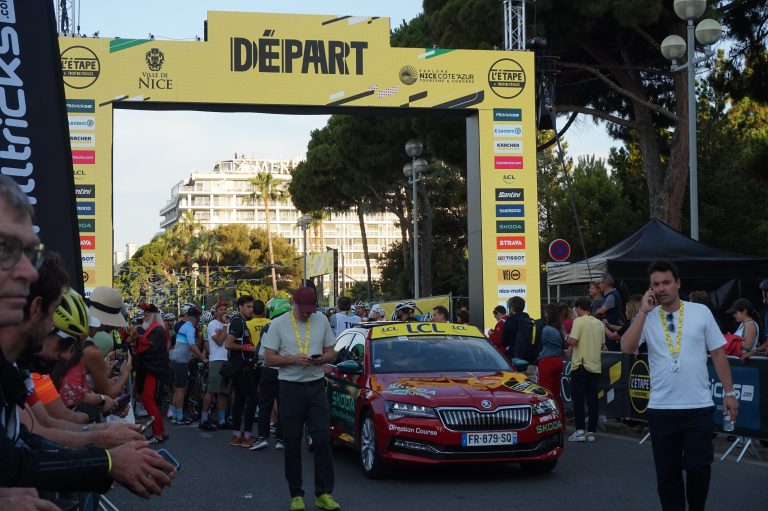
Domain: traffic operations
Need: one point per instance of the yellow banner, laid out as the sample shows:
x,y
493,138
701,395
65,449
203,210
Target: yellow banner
x,y
333,62
416,328
320,264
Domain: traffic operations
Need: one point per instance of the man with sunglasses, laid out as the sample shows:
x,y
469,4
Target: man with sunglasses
x,y
26,460
680,411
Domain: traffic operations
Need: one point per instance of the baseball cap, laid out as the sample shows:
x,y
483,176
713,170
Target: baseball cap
x,y
148,307
305,299
740,305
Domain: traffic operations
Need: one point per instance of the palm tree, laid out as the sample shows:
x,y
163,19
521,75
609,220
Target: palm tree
x,y
267,188
205,247
318,217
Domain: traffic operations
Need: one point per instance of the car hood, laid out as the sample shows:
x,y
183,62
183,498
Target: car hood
x,y
458,389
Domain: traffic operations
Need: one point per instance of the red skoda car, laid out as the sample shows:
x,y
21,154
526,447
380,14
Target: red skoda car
x,y
435,393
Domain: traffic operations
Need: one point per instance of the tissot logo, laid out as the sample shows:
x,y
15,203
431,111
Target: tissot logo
x,y
508,162
87,242
510,242
510,258
509,226
270,54
509,194
507,114
86,209
510,211
507,291
88,259
85,191
508,146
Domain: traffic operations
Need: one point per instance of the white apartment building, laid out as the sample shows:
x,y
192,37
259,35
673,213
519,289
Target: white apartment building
x,y
222,197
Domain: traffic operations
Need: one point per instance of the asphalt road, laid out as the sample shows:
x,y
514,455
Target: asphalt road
x,y
612,473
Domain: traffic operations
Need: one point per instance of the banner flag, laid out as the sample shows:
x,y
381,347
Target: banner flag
x,y
34,141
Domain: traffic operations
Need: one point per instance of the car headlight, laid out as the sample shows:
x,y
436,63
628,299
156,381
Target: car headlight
x,y
545,407
397,410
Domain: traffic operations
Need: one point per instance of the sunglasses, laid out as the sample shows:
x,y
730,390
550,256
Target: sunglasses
x,y
11,250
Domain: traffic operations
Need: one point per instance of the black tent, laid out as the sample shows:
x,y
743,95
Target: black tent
x,y
725,275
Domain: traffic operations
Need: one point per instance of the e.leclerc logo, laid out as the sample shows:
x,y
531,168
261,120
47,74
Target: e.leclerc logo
x,y
506,78
80,67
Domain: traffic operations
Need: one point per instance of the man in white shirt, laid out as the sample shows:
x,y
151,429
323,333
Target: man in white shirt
x,y
680,412
215,334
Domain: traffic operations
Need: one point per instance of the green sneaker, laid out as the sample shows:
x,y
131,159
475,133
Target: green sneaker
x,y
297,504
325,501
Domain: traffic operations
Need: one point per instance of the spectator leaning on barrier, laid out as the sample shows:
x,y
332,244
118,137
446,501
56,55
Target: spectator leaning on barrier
x,y
586,339
680,411
143,470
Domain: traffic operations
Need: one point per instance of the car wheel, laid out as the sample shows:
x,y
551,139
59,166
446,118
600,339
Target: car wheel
x,y
370,459
538,467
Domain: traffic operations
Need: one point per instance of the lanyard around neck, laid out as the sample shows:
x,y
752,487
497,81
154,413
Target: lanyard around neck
x,y
673,350
303,348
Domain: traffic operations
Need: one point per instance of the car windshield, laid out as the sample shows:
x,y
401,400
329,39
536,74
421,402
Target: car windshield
x,y
435,354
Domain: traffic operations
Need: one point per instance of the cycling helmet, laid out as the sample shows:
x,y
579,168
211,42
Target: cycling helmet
x,y
185,307
169,316
361,304
71,315
278,306
394,317
427,317
206,317
138,317
377,309
405,306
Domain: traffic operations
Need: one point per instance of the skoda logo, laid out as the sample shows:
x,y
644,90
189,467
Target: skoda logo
x,y
485,404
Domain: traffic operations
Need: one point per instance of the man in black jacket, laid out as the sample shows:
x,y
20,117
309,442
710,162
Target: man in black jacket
x,y
509,335
27,460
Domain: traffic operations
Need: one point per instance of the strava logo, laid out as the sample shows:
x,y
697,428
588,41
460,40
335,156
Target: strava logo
x,y
87,242
510,242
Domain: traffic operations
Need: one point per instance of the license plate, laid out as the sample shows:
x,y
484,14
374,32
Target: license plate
x,y
491,438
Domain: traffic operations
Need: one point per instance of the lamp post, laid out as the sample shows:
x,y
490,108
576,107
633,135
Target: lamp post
x,y
413,148
195,273
673,47
303,222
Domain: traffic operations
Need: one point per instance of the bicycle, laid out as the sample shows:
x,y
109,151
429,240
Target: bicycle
x,y
197,386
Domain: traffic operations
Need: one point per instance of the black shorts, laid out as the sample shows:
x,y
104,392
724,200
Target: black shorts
x,y
180,374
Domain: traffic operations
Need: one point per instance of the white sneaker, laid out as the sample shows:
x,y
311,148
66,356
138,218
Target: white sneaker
x,y
590,437
279,445
578,436
261,443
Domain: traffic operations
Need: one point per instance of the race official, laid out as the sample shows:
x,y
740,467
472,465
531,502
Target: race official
x,y
680,412
298,344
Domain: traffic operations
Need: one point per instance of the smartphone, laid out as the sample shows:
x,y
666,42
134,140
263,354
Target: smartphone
x,y
146,425
122,400
169,458
316,355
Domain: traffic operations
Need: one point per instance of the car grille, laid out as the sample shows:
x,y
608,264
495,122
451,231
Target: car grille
x,y
471,419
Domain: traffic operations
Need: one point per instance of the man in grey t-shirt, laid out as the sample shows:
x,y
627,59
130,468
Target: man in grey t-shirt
x,y
298,344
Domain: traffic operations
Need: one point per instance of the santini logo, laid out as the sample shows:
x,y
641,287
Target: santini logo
x,y
509,194
85,191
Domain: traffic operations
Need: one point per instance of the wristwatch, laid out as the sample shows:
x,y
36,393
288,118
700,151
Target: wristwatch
x,y
731,393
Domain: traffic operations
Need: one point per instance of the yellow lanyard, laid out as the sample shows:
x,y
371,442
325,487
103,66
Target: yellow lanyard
x,y
305,347
673,350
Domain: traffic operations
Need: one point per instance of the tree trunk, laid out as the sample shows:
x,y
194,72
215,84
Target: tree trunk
x,y
271,250
364,236
425,247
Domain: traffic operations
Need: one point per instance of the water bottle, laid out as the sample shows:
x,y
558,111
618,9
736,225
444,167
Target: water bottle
x,y
727,423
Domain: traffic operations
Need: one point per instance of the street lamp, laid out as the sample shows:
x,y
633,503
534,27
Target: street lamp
x,y
673,47
195,273
413,148
303,222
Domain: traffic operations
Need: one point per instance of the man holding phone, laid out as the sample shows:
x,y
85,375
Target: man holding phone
x,y
298,344
680,411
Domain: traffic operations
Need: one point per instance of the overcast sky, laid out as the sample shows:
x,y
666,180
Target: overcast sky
x,y
162,148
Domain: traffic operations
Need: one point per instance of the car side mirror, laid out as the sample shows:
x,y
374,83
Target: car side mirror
x,y
349,367
520,365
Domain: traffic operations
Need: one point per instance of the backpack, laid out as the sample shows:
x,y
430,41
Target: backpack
x,y
528,340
